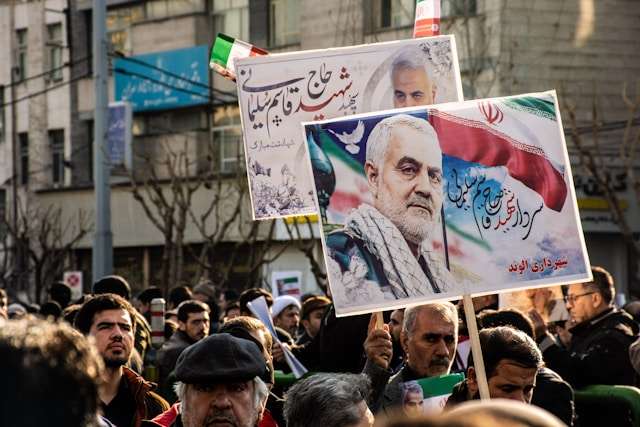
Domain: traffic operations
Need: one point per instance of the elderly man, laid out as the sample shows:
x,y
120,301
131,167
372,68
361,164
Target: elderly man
x,y
390,243
412,85
329,400
600,336
221,381
126,397
512,361
429,338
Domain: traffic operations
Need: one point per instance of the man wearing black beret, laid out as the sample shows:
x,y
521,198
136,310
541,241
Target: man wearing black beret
x,y
221,381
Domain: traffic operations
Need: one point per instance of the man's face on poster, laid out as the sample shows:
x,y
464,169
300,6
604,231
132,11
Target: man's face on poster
x,y
412,404
408,188
411,87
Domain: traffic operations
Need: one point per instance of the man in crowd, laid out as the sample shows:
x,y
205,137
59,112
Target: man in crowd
x,y
285,312
600,338
393,238
125,396
221,381
395,329
144,301
511,359
50,376
412,85
311,316
193,325
60,292
429,337
552,393
329,400
118,285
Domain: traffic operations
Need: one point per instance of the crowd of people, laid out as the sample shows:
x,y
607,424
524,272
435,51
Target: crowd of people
x,y
91,362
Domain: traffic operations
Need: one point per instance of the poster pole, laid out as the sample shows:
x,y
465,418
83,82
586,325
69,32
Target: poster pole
x,y
478,361
379,320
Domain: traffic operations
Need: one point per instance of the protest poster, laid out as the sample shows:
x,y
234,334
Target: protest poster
x,y
465,198
428,395
286,283
279,91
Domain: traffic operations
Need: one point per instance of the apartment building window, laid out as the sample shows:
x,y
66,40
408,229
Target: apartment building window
x,y
227,135
156,9
382,15
284,22
23,144
119,23
54,51
21,54
56,144
231,17
459,8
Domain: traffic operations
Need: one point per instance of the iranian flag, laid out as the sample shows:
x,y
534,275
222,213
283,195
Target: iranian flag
x,y
225,49
427,18
521,133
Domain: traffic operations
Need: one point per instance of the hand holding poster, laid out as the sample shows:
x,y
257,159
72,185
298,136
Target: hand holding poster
x,y
462,198
277,92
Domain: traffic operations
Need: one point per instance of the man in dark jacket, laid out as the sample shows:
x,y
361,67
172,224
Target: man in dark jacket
x,y
126,398
512,361
193,325
600,340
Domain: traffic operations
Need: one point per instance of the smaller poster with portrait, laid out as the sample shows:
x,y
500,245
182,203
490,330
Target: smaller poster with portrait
x,y
428,395
286,283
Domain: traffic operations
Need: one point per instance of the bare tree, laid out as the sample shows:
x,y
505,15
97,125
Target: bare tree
x,y
592,159
165,201
44,240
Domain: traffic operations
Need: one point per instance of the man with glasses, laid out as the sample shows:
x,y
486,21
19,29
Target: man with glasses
x,y
600,336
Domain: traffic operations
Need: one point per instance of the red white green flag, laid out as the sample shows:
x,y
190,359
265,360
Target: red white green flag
x,y
427,18
225,49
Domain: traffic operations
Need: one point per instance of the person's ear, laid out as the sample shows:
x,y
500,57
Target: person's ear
x,y
596,299
182,326
372,177
472,381
404,342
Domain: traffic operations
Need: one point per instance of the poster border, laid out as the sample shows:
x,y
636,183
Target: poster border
x,y
531,284
333,51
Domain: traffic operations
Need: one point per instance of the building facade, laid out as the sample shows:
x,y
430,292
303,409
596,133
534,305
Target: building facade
x,y
585,50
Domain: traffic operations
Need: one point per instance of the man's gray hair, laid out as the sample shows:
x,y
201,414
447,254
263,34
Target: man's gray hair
x,y
413,58
326,400
445,309
378,140
412,387
260,392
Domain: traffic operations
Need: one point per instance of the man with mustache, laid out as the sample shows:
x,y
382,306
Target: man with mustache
x,y
429,338
126,398
221,381
389,243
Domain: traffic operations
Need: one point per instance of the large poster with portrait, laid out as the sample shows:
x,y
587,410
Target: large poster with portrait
x,y
278,92
432,203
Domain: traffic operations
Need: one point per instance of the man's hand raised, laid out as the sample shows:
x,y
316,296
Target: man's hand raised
x,y
378,346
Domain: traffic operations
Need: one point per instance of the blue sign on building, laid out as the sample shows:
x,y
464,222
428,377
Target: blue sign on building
x,y
163,80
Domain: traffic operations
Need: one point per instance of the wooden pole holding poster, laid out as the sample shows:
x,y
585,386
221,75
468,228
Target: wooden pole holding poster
x,y
478,361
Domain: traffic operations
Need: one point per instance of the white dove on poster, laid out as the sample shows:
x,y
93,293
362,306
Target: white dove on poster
x,y
351,139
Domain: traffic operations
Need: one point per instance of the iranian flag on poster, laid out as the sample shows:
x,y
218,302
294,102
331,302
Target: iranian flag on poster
x,y
427,18
225,49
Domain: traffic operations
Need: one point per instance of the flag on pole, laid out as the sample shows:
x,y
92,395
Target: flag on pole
x,y
427,18
507,132
225,49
